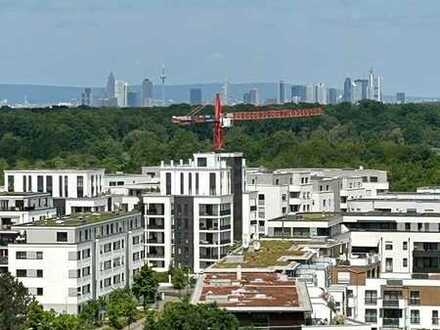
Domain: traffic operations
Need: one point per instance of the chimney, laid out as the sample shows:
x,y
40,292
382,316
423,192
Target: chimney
x,y
239,273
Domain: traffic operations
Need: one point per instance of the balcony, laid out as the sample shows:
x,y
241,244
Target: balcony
x,y
391,322
370,301
390,303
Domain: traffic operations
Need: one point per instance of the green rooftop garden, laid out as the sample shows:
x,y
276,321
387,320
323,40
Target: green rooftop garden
x,y
79,219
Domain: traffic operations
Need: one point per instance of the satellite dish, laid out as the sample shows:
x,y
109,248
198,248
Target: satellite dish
x,y
256,245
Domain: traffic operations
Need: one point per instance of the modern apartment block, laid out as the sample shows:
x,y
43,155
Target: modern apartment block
x,y
19,208
287,191
73,190
202,207
64,262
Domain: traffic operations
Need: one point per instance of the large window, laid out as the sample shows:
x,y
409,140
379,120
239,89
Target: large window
x,y
370,297
24,183
49,184
197,183
371,315
66,186
61,236
40,184
11,183
212,184
80,186
435,317
182,184
168,183
415,316
60,186
414,298
389,264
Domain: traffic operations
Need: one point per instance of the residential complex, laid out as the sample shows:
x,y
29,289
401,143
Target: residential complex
x,y
291,248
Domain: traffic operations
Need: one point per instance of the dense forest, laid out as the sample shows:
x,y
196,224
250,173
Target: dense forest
x,y
402,139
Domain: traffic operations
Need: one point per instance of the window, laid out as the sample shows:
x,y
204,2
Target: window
x,y
80,186
389,264
182,184
49,184
371,315
11,183
107,282
343,277
20,255
135,240
414,298
370,297
197,183
86,253
21,273
212,184
405,262
66,186
373,179
405,246
61,236
39,291
190,183
349,293
201,162
107,247
435,317
60,186
388,246
107,264
86,271
168,183
415,316
407,226
40,187
24,183
116,245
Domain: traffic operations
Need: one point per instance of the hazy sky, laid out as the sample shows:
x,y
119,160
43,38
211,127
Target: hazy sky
x,y
77,42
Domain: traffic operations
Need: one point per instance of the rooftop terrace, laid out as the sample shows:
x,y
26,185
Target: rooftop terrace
x,y
271,253
250,291
80,219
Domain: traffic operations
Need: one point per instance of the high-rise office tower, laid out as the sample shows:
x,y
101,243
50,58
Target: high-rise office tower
x,y
110,88
378,89
121,93
310,94
348,91
195,96
253,96
320,93
298,93
400,97
360,90
332,96
375,87
371,84
281,92
86,97
147,93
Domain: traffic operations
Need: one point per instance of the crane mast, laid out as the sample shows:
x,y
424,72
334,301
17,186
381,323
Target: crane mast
x,y
221,120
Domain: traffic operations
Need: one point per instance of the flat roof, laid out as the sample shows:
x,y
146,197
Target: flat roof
x,y
23,194
72,169
250,290
79,219
314,216
271,253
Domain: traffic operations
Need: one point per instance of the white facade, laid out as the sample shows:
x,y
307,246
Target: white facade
x,y
121,93
61,183
192,221
93,256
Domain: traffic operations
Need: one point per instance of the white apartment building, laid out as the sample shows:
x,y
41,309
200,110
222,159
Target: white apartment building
x,y
287,191
93,253
201,209
73,190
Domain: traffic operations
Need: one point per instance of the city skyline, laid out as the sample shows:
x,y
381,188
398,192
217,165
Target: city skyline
x,y
359,36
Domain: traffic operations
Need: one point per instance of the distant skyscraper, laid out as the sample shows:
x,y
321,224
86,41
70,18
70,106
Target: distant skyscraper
x,y
110,89
360,90
320,93
332,96
251,97
310,94
348,91
86,97
133,99
281,92
298,93
195,96
400,97
163,78
147,93
121,93
374,87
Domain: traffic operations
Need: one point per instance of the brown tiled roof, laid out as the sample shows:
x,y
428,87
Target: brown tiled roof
x,y
253,290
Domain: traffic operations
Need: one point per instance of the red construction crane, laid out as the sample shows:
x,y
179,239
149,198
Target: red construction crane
x,y
223,120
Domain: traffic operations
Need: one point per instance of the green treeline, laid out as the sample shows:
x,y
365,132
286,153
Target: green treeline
x,y
402,139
